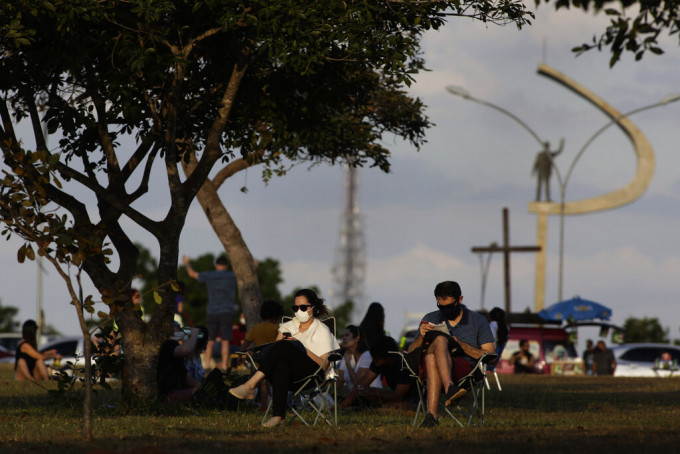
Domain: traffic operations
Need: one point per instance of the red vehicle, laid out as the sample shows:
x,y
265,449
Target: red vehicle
x,y
550,344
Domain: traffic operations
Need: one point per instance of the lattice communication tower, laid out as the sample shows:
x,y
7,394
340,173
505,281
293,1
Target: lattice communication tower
x,y
349,268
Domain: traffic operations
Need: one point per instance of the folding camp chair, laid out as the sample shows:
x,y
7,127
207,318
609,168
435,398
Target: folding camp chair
x,y
317,392
472,412
250,360
491,367
471,409
408,366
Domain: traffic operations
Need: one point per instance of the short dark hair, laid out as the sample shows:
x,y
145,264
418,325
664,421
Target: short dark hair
x,y
270,309
447,288
383,346
221,260
202,341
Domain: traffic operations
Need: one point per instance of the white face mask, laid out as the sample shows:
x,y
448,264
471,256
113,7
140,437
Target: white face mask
x,y
302,316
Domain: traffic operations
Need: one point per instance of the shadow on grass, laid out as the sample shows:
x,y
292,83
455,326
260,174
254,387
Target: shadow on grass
x,y
306,440
531,414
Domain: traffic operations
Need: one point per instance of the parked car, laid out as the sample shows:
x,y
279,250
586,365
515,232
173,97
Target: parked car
x,y
69,347
10,340
646,360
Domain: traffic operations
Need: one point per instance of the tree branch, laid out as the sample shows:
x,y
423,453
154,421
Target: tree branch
x,y
8,125
116,200
35,122
234,167
113,168
143,187
213,148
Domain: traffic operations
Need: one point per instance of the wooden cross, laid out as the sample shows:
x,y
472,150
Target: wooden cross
x,y
506,249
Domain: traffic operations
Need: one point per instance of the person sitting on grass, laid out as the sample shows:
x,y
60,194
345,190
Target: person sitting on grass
x,y
29,363
401,391
267,330
522,360
301,347
451,355
194,363
356,362
172,374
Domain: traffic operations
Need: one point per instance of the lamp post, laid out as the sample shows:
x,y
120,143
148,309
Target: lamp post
x,y
463,93
563,183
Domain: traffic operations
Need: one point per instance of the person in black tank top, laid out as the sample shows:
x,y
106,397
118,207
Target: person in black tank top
x,y
29,363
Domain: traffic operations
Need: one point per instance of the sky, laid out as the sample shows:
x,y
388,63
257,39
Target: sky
x,y
421,220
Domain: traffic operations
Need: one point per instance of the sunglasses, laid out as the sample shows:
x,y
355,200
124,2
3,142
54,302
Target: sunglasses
x,y
302,307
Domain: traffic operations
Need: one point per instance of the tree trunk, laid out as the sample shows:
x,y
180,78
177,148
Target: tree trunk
x,y
87,401
140,357
237,250
142,341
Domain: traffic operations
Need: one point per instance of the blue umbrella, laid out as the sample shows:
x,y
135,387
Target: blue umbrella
x,y
576,309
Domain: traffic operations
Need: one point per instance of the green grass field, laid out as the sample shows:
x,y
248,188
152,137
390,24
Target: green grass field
x,y
532,414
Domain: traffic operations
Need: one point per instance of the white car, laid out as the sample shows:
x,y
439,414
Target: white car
x,y
69,347
647,360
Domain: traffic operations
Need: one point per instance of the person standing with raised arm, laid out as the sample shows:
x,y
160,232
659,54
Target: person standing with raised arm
x,y
221,286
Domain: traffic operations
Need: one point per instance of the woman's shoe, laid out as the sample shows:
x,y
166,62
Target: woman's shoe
x,y
242,392
273,422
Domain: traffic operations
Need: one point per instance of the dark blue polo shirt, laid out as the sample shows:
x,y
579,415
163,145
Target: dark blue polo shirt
x,y
473,328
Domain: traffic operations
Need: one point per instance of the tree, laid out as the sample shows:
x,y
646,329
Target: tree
x,y
644,330
635,26
25,212
7,322
131,90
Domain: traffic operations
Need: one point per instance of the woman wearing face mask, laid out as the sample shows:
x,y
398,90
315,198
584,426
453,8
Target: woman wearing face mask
x,y
301,347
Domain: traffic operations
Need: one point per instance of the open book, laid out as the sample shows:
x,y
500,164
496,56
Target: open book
x,y
441,327
438,327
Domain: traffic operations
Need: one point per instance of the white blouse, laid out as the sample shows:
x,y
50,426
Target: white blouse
x,y
318,338
364,362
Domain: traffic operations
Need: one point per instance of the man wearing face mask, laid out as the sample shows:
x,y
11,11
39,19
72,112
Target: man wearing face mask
x,y
449,357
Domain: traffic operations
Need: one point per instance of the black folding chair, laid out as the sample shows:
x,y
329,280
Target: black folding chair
x,y
412,369
312,393
472,412
491,366
471,409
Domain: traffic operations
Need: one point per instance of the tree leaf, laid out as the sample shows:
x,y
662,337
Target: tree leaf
x,y
157,297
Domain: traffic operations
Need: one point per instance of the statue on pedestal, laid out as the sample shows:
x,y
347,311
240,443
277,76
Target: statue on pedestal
x,y
543,168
